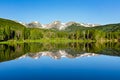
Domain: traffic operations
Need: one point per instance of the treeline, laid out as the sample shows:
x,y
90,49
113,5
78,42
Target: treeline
x,y
11,30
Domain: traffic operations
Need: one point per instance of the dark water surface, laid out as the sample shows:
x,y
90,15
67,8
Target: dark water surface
x,y
71,61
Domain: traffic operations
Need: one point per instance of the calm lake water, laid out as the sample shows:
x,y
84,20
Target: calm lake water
x,y
70,61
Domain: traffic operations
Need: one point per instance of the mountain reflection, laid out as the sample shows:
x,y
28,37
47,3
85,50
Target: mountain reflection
x,y
57,51
57,55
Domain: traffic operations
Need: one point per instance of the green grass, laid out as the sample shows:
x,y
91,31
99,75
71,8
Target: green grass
x,y
57,40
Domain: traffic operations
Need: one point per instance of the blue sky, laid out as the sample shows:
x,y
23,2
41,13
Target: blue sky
x,y
46,11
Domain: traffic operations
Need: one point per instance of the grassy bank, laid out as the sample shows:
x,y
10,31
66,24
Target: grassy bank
x,y
57,40
44,41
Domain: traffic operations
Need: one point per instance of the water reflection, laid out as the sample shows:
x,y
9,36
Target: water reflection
x,y
57,51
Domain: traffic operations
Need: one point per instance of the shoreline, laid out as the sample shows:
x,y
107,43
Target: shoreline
x,y
54,41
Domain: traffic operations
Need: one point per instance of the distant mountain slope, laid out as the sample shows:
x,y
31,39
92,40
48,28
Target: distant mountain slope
x,y
56,25
109,27
105,28
10,29
11,23
75,27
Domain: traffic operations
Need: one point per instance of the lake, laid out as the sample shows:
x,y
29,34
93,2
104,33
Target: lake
x,y
62,61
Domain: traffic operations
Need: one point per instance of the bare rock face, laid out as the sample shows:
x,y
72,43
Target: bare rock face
x,y
55,24
34,25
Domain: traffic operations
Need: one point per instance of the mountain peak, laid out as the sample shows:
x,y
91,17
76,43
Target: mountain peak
x,y
36,22
57,25
57,22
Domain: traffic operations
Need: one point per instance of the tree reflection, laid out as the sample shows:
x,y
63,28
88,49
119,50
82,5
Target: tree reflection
x,y
70,50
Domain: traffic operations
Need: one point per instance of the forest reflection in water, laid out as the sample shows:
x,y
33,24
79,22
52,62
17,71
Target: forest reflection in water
x,y
57,51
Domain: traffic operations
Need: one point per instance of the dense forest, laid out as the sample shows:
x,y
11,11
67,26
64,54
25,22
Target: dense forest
x,y
11,30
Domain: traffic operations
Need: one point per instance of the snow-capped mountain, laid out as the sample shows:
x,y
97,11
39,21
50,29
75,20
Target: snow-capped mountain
x,y
34,24
56,55
88,25
56,25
